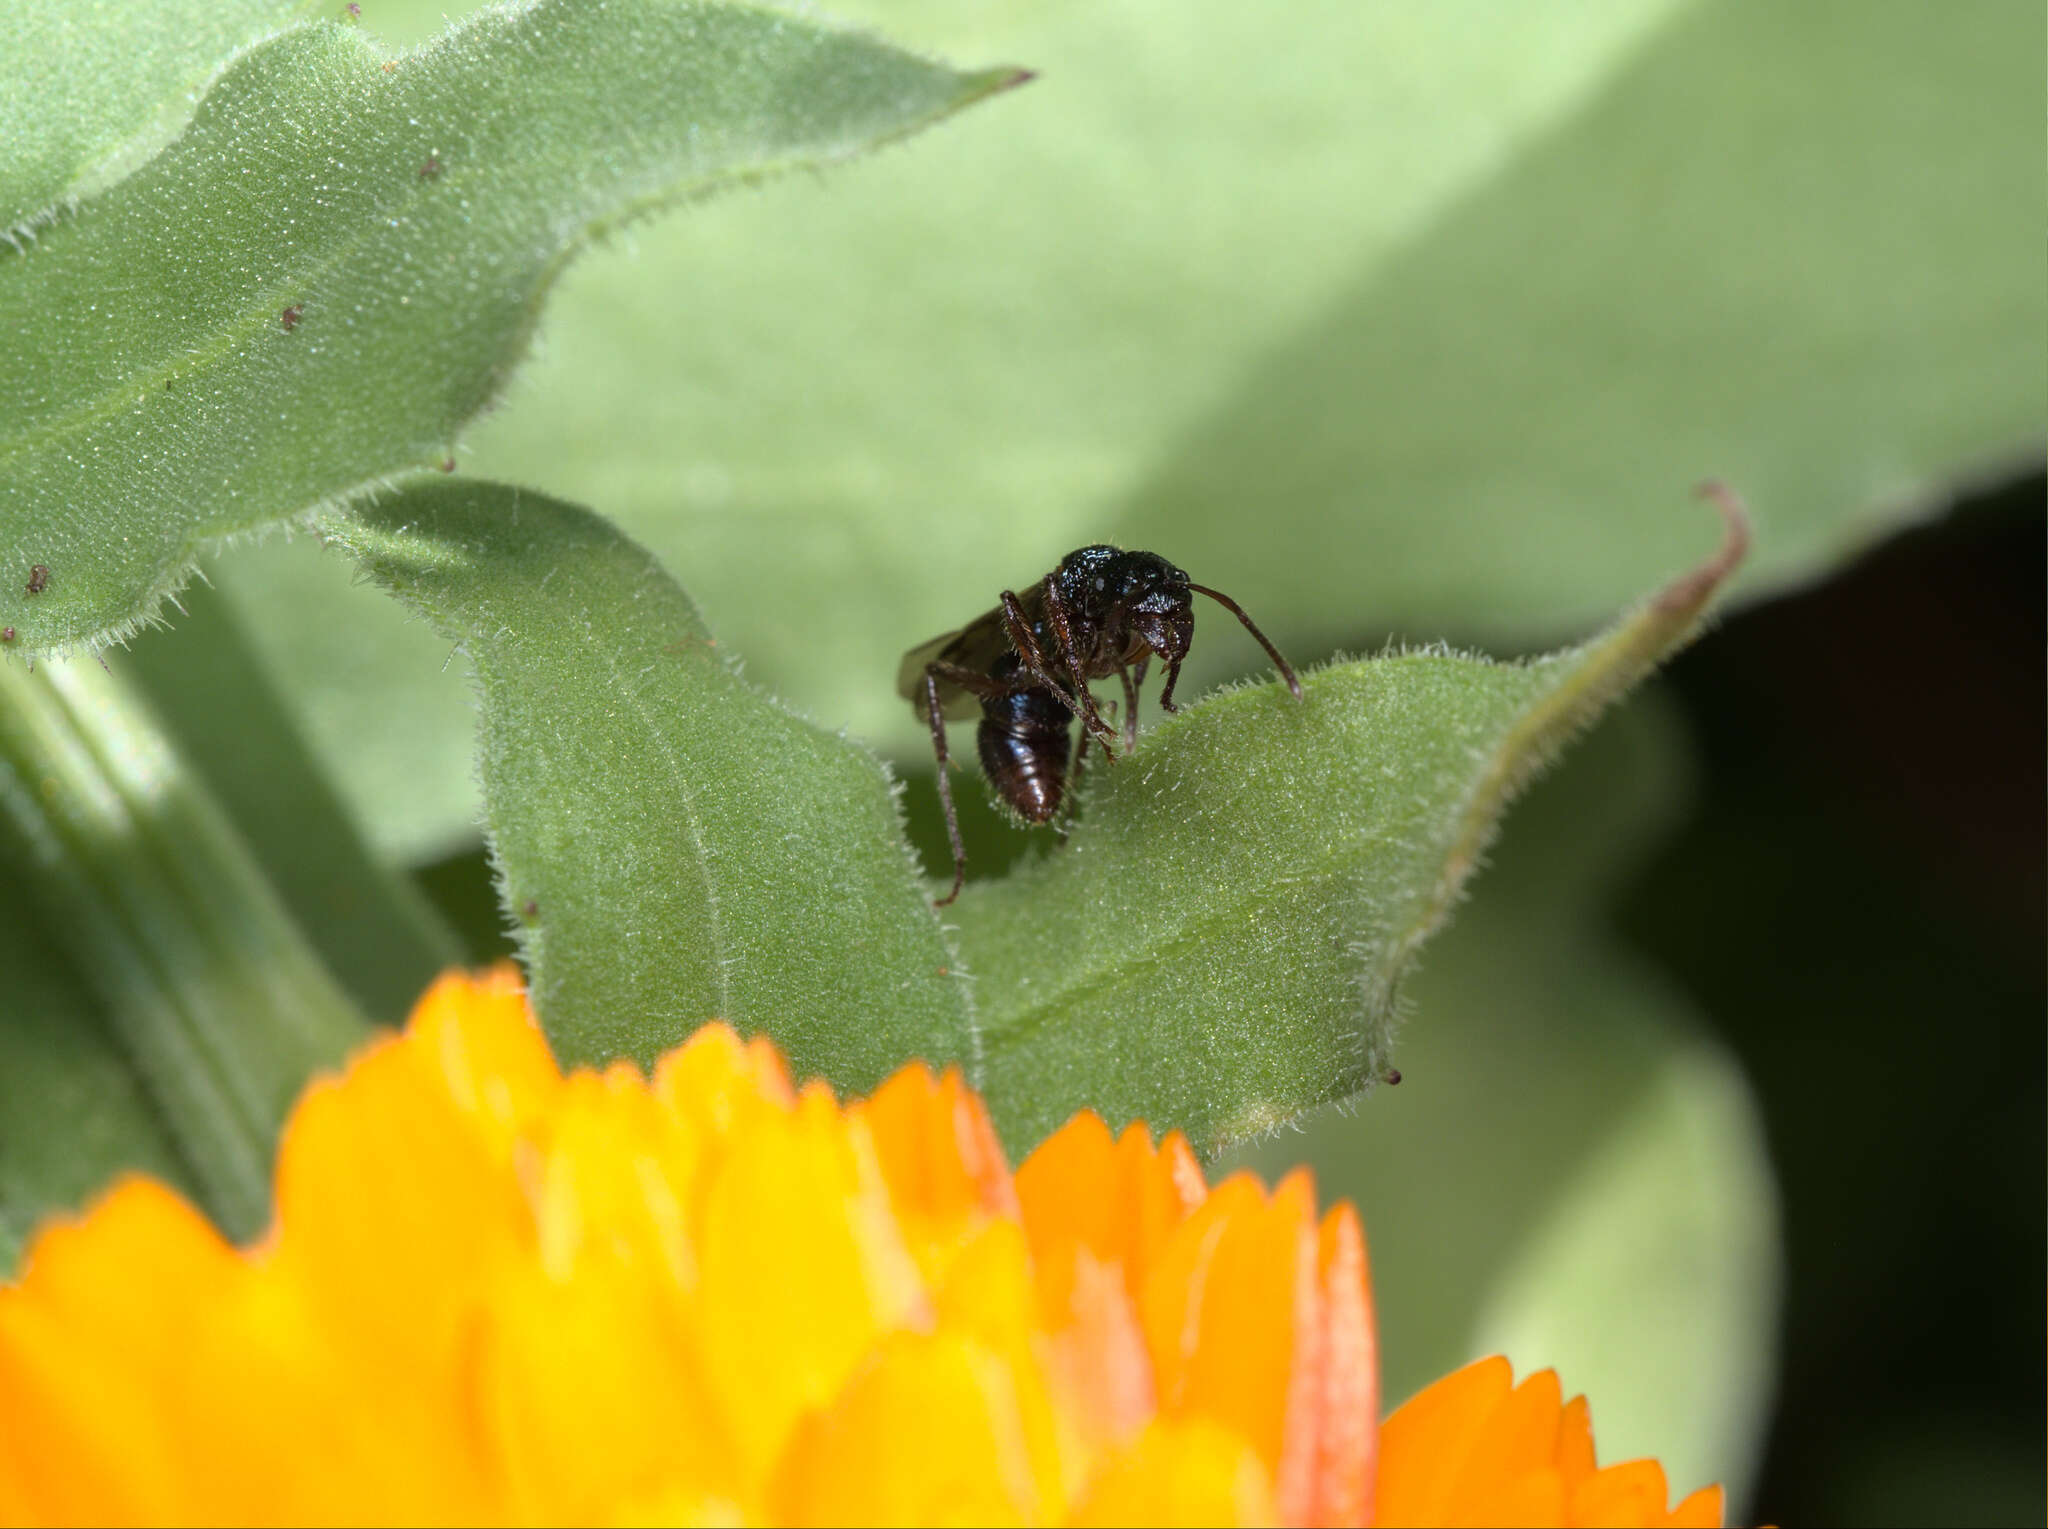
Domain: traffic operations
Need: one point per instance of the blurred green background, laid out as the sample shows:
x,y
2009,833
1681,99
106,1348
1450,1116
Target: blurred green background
x,y
1723,1093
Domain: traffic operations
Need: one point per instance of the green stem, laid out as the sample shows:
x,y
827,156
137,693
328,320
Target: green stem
x,y
210,989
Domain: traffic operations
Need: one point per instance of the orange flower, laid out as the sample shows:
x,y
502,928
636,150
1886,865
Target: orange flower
x,y
1477,1449
495,1293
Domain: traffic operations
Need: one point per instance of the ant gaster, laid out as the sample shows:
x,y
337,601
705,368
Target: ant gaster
x,y
1027,664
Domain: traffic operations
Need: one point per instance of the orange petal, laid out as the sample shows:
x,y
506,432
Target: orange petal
x,y
1575,1441
1631,1493
1702,1510
1230,1315
1120,1199
718,1084
1521,1433
1471,1449
1348,1409
1095,1347
938,1151
1424,1445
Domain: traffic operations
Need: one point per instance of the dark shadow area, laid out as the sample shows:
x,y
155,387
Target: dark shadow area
x,y
462,891
1858,903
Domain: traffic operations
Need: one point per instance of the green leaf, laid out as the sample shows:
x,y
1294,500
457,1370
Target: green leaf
x,y
1570,1173
339,262
1220,944
374,929
675,845
400,750
1409,353
215,1000
80,96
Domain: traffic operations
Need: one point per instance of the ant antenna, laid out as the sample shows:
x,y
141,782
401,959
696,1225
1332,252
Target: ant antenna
x,y
1251,626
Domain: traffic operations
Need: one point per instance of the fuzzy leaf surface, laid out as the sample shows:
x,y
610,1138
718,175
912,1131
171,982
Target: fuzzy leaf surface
x,y
1573,1172
76,94
1514,274
1218,947
338,263
675,845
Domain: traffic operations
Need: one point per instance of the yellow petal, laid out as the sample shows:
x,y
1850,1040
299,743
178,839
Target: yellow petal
x,y
495,1294
1188,1472
930,1432
92,1424
1227,1311
802,1271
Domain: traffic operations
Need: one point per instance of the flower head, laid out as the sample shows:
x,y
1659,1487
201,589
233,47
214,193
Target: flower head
x,y
495,1292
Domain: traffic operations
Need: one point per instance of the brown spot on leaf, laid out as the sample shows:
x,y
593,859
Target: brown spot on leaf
x,y
431,168
291,316
38,579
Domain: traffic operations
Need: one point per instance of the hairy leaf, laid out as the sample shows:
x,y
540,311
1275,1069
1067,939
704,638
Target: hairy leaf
x,y
1218,947
1388,319
78,95
1570,1173
1402,355
337,264
674,845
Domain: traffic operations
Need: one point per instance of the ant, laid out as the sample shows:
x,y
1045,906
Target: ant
x,y
1027,665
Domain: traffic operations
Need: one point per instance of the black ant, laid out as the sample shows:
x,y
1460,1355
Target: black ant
x,y
1027,665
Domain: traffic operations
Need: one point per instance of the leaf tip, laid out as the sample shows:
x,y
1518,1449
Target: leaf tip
x,y
1689,592
1000,80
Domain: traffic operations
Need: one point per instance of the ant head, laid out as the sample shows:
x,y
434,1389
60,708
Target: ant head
x,y
1163,616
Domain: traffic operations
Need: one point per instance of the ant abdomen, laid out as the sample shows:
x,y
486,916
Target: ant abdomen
x,y
1024,744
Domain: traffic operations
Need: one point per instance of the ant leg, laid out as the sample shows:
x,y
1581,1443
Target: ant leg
x,y
1063,628
1033,656
1072,797
1166,694
935,715
1130,705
